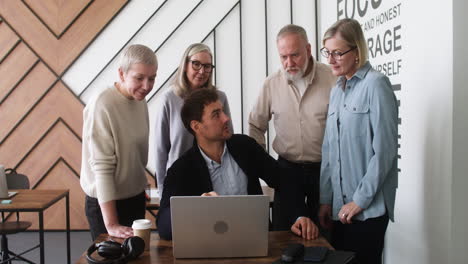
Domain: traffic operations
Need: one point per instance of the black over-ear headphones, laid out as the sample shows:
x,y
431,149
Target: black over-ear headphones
x,y
116,253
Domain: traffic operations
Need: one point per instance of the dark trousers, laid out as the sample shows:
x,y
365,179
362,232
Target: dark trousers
x,y
298,194
365,238
127,210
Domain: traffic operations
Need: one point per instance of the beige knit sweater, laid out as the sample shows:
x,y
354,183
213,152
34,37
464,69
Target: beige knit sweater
x,y
115,146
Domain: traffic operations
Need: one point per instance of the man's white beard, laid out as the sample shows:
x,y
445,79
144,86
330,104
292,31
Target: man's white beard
x,y
294,77
299,74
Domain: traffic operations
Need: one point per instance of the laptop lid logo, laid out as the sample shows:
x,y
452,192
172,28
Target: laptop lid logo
x,y
220,227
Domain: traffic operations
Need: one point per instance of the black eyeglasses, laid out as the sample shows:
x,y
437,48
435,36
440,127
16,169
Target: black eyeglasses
x,y
196,65
335,54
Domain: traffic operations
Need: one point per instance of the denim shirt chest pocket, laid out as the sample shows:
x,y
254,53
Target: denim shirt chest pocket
x,y
356,118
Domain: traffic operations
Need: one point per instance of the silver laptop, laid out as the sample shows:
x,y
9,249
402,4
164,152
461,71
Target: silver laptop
x,y
220,227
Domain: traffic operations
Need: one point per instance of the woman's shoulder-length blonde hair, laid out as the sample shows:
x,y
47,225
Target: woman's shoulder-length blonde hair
x,y
351,32
180,83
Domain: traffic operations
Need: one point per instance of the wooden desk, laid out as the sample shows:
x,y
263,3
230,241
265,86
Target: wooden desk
x,y
38,201
161,250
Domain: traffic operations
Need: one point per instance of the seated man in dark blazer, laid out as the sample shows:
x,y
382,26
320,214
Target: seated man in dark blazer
x,y
219,163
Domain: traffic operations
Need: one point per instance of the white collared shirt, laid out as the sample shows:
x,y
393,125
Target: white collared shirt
x,y
301,85
227,178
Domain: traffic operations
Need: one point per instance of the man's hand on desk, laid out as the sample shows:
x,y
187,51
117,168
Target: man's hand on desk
x,y
304,227
120,231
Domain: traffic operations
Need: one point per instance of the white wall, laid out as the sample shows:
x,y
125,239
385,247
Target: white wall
x,y
431,208
421,232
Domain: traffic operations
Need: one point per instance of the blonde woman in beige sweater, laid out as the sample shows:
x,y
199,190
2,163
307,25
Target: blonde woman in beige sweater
x,y
115,146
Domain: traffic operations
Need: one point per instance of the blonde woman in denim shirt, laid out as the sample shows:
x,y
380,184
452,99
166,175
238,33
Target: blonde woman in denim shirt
x,y
359,153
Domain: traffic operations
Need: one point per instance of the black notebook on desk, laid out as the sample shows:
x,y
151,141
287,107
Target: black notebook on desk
x,y
339,257
333,257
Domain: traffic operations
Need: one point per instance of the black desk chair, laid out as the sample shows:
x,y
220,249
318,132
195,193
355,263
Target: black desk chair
x,y
14,181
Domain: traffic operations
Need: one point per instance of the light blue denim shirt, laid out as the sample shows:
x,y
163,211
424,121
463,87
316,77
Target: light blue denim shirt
x,y
227,178
359,152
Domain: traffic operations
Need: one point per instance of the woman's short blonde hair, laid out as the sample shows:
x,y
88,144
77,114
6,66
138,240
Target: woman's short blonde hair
x,y
137,53
351,32
180,82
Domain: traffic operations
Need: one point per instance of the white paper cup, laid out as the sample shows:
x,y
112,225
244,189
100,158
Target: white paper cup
x,y
142,228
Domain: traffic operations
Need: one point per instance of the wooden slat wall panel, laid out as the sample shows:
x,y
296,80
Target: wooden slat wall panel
x,y
49,150
85,29
57,15
41,118
59,53
61,177
14,67
53,217
22,99
8,40
59,103
30,29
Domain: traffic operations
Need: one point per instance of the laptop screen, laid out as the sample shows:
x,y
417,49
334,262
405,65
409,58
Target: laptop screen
x,y
220,226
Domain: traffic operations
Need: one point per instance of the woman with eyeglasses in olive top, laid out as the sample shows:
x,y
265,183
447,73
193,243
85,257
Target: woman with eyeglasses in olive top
x,y
358,176
172,139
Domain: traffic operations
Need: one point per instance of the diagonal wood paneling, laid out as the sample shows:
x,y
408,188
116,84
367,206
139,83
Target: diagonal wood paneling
x,y
41,119
23,98
14,67
58,103
50,149
45,167
59,53
61,177
42,131
57,15
41,166
8,40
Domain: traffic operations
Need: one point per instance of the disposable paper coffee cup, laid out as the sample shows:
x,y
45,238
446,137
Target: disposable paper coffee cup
x,y
142,228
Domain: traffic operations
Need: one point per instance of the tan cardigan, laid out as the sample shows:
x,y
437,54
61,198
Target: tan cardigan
x,y
115,146
299,121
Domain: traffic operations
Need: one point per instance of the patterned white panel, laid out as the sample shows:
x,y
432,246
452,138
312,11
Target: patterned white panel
x,y
254,53
147,35
210,41
198,26
304,15
108,43
325,21
165,21
278,15
228,61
